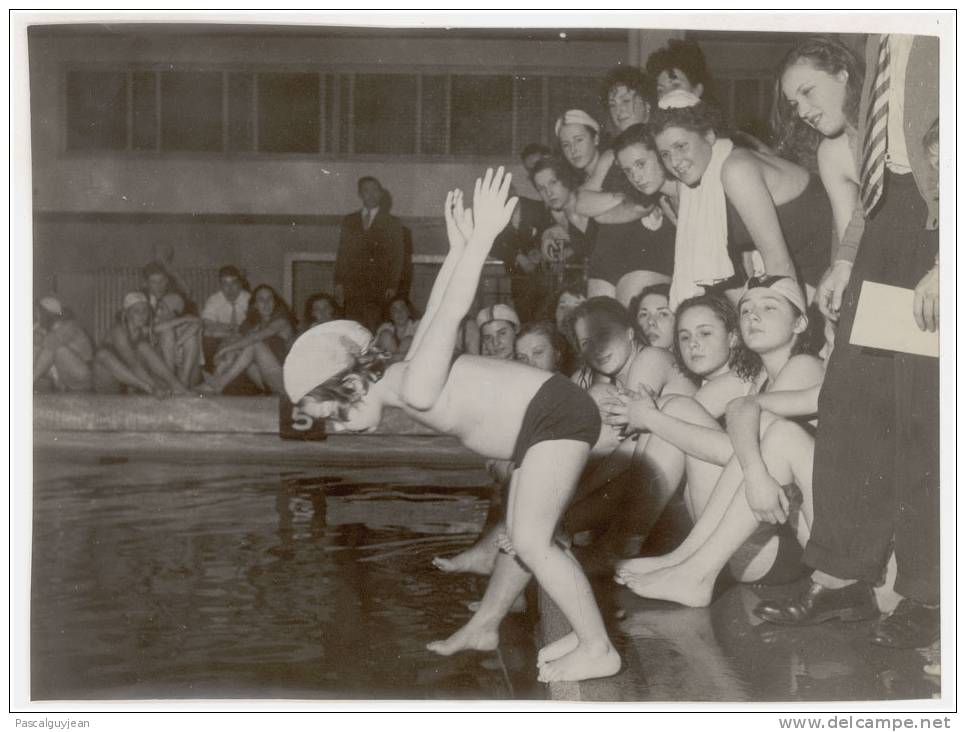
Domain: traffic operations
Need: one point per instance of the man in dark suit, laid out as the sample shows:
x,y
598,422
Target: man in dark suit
x,y
369,263
876,474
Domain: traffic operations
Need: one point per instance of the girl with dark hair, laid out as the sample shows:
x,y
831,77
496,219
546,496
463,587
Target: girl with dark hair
x,y
652,311
742,212
755,474
680,65
266,336
320,307
63,352
818,89
395,335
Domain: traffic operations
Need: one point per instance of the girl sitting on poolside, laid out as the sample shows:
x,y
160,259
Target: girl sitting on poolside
x,y
767,480
499,409
265,338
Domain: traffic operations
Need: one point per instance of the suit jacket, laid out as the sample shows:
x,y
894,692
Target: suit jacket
x,y
369,261
921,110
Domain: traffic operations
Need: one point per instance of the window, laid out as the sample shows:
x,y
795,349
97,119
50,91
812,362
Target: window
x,y
96,110
191,116
383,113
318,112
288,113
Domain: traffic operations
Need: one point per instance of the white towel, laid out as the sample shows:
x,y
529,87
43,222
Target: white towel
x,y
701,242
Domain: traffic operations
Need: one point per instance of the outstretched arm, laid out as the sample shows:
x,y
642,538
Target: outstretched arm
x,y
429,359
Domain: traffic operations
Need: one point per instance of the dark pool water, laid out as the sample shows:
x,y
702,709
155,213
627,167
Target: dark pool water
x,y
217,581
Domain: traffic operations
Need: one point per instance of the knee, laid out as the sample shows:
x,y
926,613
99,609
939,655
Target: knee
x,y
779,434
530,549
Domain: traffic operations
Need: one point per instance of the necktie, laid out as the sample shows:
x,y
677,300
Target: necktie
x,y
876,133
367,217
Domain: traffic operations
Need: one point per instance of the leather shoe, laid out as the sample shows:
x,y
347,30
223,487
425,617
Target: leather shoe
x,y
910,625
819,604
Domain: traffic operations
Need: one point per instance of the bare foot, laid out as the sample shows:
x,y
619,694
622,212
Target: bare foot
x,y
559,648
643,565
478,559
471,637
210,385
586,661
676,584
519,605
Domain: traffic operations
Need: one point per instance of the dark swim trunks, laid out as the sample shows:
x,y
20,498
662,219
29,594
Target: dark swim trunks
x,y
560,410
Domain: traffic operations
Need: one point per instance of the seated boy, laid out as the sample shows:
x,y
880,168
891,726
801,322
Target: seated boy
x,y
499,409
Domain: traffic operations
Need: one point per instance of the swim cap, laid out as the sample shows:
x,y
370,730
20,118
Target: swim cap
x,y
785,286
320,353
677,99
500,311
575,117
133,298
52,305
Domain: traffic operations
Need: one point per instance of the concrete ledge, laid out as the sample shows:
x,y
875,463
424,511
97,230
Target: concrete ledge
x,y
218,414
338,450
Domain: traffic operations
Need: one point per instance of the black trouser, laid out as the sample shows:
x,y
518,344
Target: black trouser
x,y
876,472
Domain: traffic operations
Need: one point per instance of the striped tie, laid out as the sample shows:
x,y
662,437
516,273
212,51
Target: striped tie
x,y
876,133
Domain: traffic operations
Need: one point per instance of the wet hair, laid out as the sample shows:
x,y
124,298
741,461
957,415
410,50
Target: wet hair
x,y
367,179
369,367
609,309
700,118
562,170
387,311
796,140
547,329
279,310
684,56
535,148
743,362
633,78
638,134
316,297
635,303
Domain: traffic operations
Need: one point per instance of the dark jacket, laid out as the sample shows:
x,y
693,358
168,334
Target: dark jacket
x,y
369,262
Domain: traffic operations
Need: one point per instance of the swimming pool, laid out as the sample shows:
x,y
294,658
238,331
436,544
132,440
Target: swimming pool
x,y
175,581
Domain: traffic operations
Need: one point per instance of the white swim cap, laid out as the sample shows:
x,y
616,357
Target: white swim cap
x,y
500,311
677,99
320,353
575,117
133,298
52,305
784,286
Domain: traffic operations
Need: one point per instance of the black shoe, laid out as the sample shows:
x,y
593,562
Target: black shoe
x,y
819,604
910,625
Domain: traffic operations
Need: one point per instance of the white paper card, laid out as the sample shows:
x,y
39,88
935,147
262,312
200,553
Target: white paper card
x,y
884,320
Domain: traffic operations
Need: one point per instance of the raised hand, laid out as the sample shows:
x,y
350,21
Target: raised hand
x,y
459,220
491,209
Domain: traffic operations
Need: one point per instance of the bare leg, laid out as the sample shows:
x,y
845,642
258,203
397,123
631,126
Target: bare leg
x,y
478,559
109,367
703,481
75,372
270,368
481,633
157,367
189,371
541,490
167,344
787,451
228,373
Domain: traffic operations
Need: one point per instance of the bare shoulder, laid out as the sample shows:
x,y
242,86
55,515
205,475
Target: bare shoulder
x,y
801,372
740,166
717,392
652,366
835,158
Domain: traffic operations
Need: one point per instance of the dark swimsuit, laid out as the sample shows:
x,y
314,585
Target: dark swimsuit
x,y
806,223
560,410
629,247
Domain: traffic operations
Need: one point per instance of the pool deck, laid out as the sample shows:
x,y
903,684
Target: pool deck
x,y
238,428
724,653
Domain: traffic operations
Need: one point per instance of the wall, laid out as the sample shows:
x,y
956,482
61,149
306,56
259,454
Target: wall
x,y
93,210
